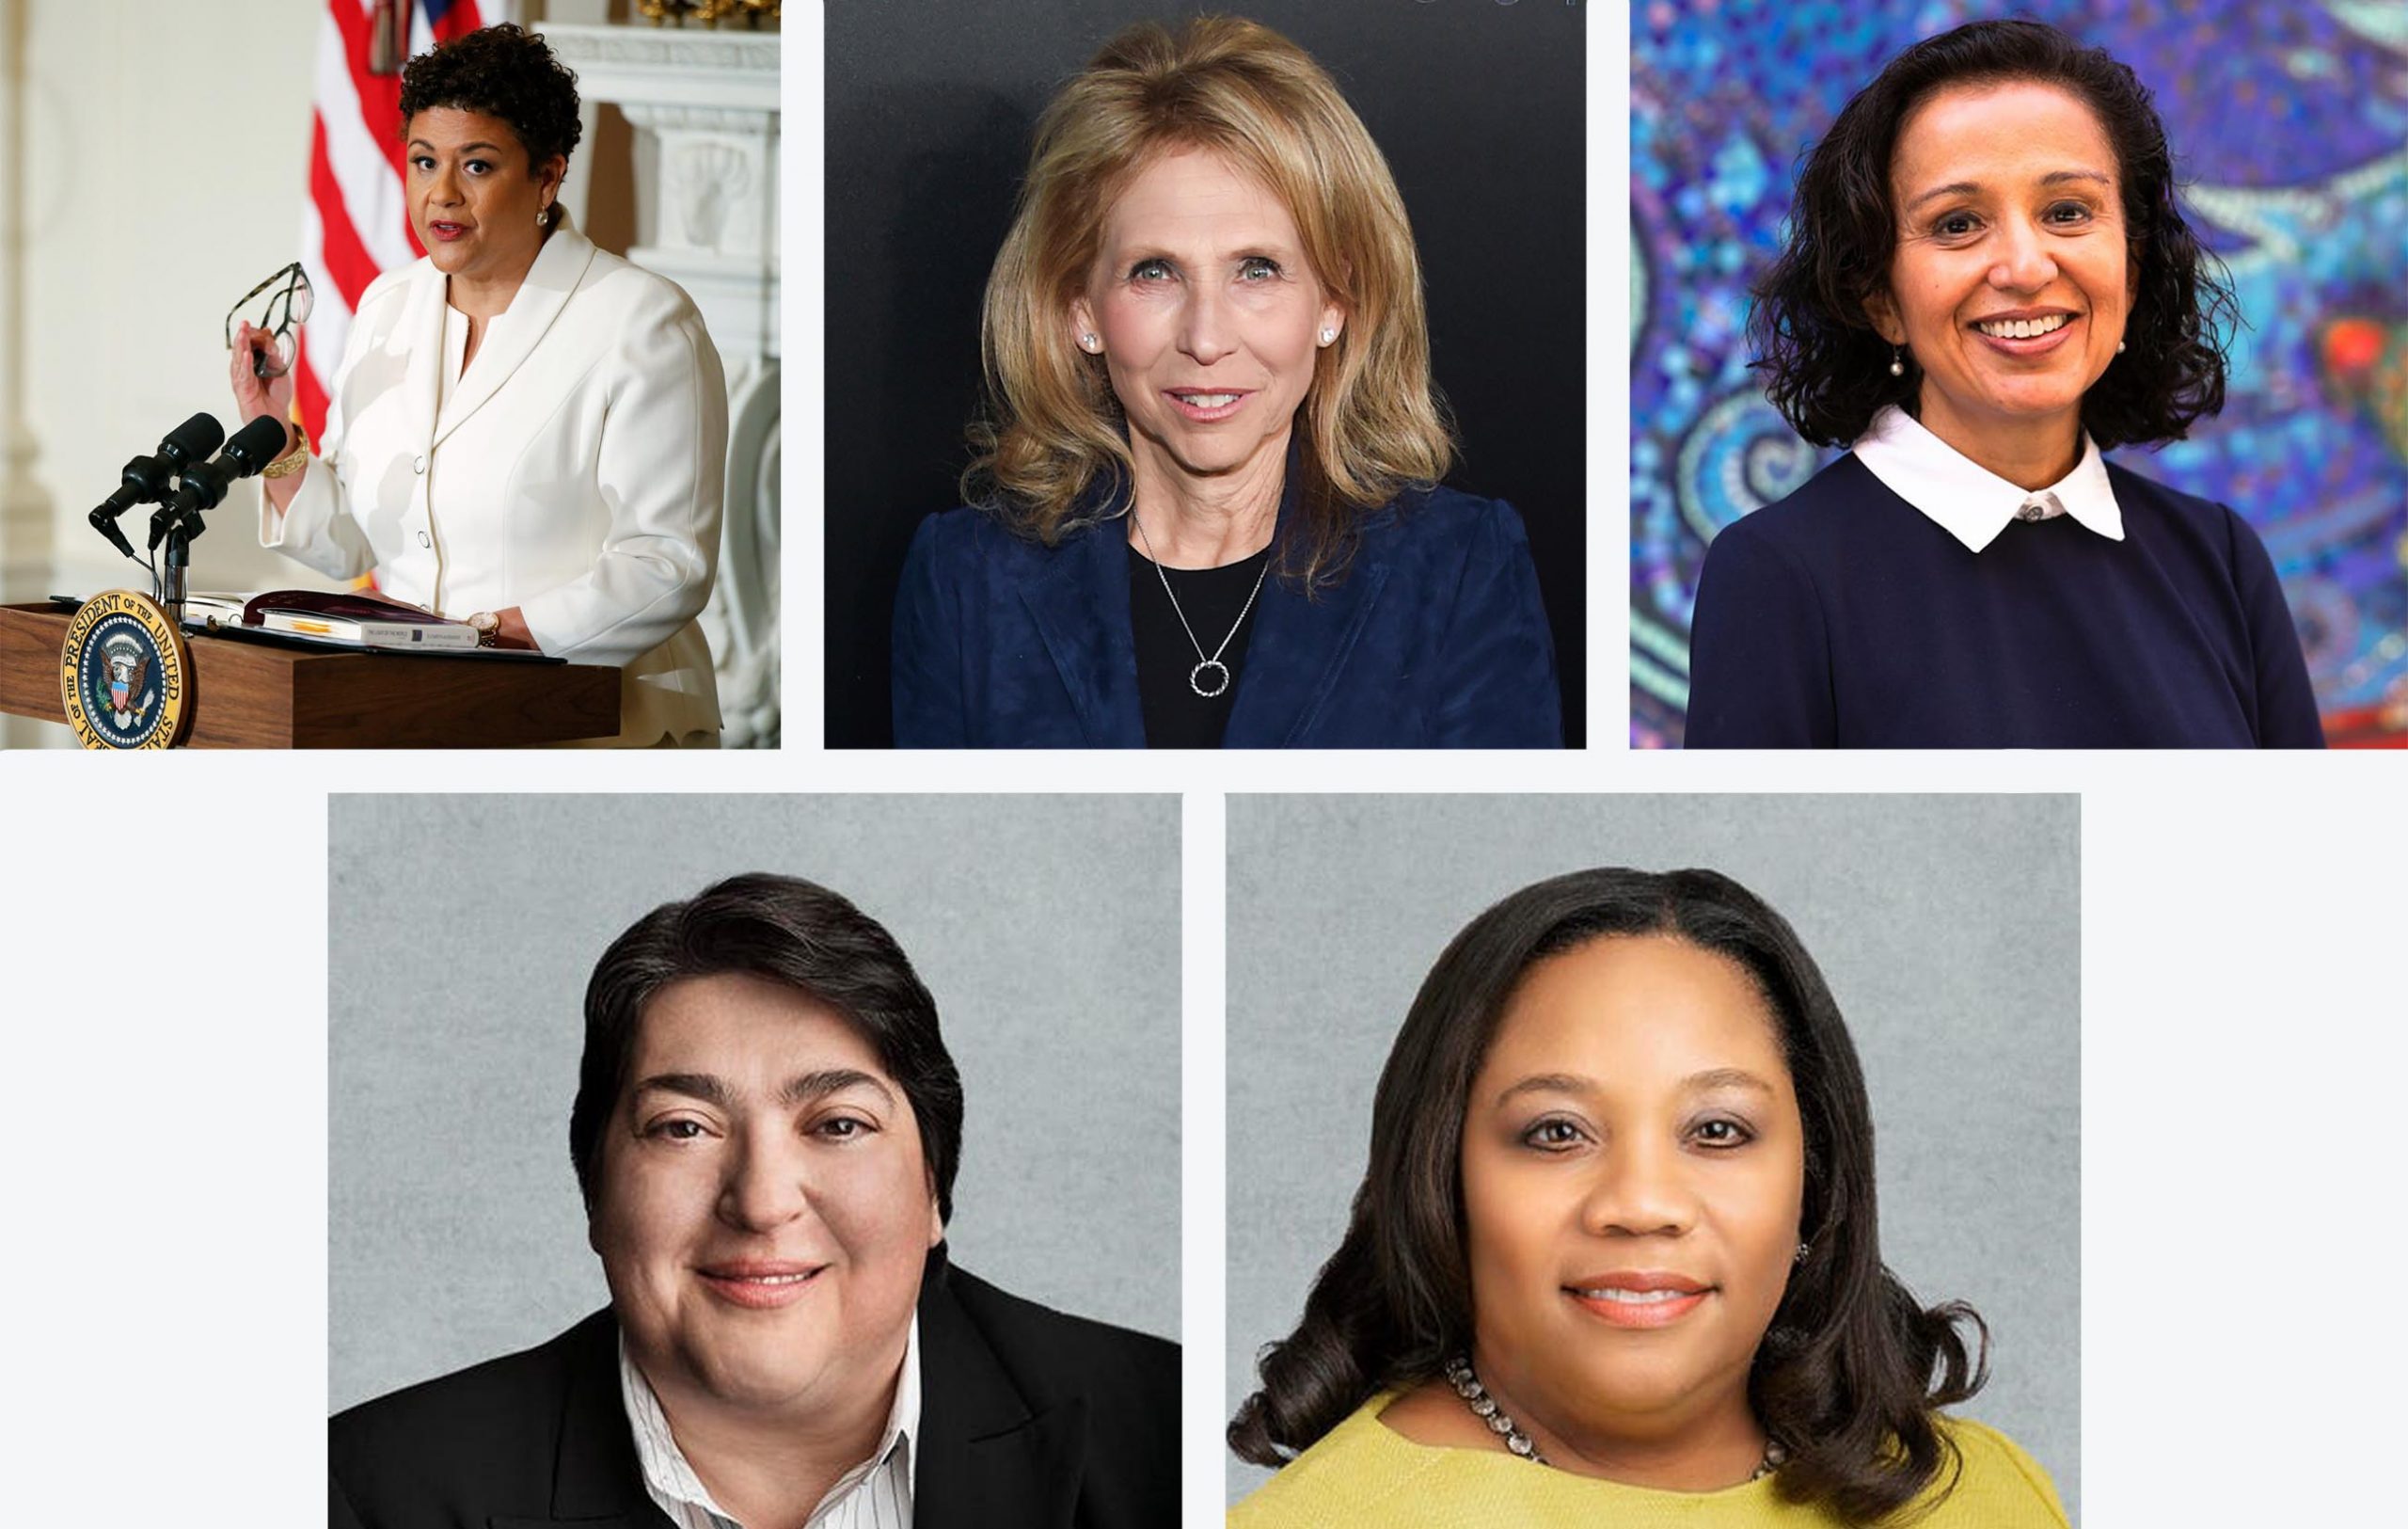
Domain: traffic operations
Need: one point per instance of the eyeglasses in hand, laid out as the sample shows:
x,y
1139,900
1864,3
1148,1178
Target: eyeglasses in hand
x,y
288,298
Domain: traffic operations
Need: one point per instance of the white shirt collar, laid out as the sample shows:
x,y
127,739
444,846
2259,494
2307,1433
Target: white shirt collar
x,y
1968,501
670,1482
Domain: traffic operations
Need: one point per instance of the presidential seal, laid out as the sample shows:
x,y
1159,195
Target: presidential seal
x,y
125,675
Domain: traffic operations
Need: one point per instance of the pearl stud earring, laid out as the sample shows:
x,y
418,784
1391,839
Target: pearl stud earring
x,y
1327,336
2119,347
1089,341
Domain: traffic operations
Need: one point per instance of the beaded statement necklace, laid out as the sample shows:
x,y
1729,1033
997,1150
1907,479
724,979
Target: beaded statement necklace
x,y
1483,1406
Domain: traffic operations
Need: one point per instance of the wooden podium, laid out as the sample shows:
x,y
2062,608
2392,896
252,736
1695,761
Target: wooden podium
x,y
249,695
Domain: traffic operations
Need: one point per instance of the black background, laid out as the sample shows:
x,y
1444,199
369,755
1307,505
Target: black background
x,y
1478,107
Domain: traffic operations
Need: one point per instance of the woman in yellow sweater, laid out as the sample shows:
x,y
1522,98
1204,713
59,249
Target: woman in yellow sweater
x,y
1614,1260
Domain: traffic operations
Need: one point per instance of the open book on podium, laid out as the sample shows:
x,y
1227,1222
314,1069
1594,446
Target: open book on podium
x,y
345,620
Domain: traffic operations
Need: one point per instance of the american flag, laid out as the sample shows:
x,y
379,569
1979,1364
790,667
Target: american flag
x,y
354,226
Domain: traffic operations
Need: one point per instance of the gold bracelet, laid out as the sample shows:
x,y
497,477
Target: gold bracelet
x,y
296,457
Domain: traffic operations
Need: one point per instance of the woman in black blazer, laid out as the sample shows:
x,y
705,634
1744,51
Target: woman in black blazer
x,y
1205,509
765,1131
1030,1418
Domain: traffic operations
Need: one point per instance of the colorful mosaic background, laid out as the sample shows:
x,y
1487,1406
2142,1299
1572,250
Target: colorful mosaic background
x,y
2290,122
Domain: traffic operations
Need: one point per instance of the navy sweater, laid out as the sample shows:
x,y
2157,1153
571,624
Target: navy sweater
x,y
1843,616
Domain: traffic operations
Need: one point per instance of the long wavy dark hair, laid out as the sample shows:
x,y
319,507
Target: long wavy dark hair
x,y
1849,1376
1827,369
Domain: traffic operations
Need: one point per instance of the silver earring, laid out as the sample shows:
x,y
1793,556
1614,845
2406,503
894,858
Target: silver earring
x,y
1801,1253
1898,362
1089,341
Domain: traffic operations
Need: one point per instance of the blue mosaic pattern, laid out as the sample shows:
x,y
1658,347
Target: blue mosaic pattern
x,y
2290,122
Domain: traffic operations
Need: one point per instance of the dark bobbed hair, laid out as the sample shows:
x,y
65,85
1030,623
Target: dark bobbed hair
x,y
1827,369
791,931
502,71
1849,1376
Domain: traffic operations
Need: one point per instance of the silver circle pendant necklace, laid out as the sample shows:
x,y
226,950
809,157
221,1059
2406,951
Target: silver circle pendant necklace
x,y
1483,1406
1208,670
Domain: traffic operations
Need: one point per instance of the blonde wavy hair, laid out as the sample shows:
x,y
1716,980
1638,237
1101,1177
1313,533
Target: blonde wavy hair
x,y
1371,422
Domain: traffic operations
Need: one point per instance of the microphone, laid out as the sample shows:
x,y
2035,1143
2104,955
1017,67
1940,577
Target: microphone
x,y
254,446
146,478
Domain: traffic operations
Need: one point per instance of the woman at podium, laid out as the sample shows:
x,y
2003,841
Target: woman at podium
x,y
523,432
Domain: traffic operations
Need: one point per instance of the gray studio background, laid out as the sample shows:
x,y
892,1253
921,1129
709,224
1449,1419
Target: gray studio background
x,y
1948,928
461,931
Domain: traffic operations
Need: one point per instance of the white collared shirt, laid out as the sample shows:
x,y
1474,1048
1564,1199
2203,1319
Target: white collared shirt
x,y
1968,501
875,1494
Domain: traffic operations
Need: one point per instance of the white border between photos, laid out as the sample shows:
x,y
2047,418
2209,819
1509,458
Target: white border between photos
x,y
2243,1001
1204,1184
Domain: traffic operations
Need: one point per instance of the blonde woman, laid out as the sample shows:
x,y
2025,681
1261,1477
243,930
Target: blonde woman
x,y
1205,508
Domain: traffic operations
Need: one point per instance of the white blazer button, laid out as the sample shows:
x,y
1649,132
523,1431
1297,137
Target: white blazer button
x,y
422,541
418,466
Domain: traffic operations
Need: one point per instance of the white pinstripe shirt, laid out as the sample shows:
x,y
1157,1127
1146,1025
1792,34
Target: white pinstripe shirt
x,y
875,1494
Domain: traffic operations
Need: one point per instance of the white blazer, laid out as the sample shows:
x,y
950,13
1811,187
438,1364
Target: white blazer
x,y
574,471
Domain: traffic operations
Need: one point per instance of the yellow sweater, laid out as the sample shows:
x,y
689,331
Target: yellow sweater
x,y
1363,1474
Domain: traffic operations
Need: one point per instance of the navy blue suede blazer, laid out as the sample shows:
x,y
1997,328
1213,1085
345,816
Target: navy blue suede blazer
x,y
1844,616
1436,638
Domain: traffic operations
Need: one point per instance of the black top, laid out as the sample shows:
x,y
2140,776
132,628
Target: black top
x,y
1213,600
1433,638
1844,616
1027,1418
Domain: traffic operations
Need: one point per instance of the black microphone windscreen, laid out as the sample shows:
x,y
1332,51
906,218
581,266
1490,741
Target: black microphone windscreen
x,y
257,444
196,437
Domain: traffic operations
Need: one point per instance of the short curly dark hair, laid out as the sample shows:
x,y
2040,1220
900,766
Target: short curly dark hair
x,y
502,71
1827,369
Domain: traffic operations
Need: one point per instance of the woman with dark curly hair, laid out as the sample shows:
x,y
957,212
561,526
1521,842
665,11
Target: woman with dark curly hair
x,y
1986,282
524,431
1614,1259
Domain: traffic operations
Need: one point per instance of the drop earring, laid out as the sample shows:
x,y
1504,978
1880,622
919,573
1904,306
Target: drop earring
x,y
1898,362
543,217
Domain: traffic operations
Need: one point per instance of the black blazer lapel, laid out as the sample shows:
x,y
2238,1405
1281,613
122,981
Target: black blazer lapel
x,y
1026,1475
985,1457
1080,604
1295,658
598,1482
